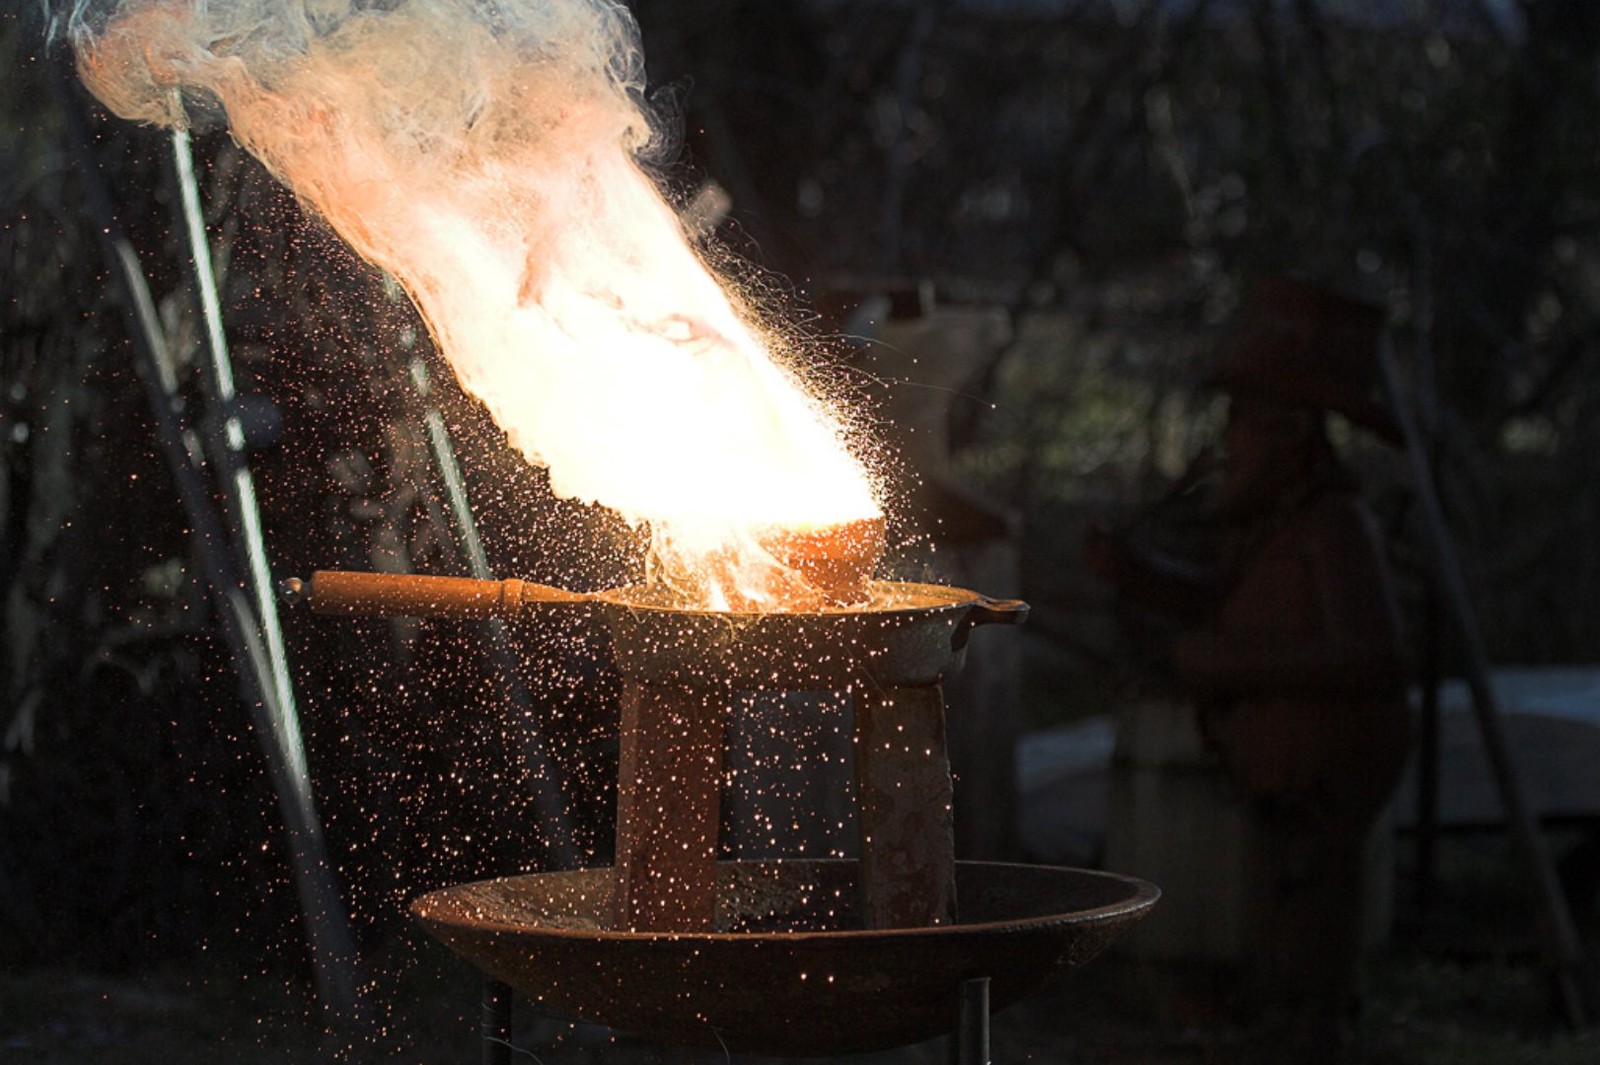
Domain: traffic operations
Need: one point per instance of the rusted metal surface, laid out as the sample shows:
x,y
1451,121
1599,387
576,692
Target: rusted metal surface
x,y
680,670
670,789
669,796
812,981
906,634
904,808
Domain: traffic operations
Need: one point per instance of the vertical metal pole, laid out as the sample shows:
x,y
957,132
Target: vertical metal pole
x,y
549,794
230,457
971,1045
494,1026
904,807
1563,950
327,924
455,485
333,954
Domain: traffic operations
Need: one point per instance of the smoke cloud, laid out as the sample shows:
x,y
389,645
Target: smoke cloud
x,y
485,152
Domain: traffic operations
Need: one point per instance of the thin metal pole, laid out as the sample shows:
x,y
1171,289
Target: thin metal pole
x,y
455,485
494,1026
228,454
1562,948
971,1045
549,796
331,944
329,931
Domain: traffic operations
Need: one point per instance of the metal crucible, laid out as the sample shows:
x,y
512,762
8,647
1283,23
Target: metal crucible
x,y
680,669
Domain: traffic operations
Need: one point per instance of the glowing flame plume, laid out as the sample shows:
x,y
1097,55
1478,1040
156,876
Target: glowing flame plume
x,y
485,153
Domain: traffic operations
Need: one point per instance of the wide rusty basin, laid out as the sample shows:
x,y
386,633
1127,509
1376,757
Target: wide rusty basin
x,y
789,970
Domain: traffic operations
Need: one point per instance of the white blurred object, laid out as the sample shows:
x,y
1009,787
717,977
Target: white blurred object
x,y
1552,723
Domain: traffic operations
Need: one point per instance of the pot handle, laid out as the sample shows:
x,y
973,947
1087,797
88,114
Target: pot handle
x,y
987,611
354,594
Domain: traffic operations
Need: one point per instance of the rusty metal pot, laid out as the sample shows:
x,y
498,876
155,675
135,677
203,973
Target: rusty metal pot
x,y
906,634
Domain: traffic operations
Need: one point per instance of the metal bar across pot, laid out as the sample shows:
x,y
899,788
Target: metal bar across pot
x,y
353,594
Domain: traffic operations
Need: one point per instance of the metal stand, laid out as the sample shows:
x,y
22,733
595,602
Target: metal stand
x,y
230,555
905,807
669,792
1563,950
549,791
494,1027
1427,811
971,1044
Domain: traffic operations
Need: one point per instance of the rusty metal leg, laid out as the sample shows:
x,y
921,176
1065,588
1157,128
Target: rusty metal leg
x,y
904,796
669,791
494,1027
971,1046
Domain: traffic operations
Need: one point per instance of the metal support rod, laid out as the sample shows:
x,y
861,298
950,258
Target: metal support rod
x,y
672,746
494,1026
455,485
227,453
971,1046
333,954
1562,949
549,794
904,807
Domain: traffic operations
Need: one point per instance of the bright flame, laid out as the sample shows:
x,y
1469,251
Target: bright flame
x,y
484,154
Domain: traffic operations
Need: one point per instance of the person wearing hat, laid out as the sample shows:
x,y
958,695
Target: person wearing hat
x,y
1291,642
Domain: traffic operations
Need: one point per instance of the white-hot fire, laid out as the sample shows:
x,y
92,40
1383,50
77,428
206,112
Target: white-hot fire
x,y
484,152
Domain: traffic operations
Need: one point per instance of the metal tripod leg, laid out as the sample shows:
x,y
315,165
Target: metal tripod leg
x,y
1563,950
494,1026
971,1046
549,793
263,677
327,921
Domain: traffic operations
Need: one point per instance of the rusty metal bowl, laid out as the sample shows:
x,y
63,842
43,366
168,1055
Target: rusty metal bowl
x,y
904,634
788,971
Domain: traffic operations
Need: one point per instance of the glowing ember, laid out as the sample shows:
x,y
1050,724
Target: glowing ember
x,y
838,559
797,567
486,155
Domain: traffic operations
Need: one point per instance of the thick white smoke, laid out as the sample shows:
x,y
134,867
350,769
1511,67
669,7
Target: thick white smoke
x,y
483,151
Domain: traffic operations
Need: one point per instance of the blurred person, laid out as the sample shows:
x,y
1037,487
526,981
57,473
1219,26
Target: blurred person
x,y
1290,643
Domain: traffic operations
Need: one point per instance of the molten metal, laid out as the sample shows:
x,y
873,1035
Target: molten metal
x,y
836,560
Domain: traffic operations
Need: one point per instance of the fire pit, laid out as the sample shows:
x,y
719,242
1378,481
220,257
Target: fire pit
x,y
675,946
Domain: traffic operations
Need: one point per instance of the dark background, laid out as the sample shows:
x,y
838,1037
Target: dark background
x,y
1109,175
